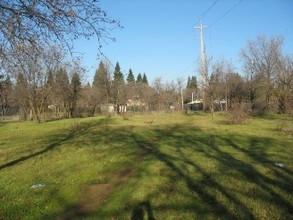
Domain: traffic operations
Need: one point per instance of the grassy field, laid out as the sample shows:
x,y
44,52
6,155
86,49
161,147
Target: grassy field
x,y
156,166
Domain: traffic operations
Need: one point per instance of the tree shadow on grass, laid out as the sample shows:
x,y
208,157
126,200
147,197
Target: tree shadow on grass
x,y
206,162
209,188
210,164
187,152
142,211
74,131
199,187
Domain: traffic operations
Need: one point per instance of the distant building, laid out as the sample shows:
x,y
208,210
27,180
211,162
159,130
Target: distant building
x,y
194,106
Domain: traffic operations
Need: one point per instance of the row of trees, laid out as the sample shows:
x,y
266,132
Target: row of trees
x,y
37,91
35,78
32,91
40,84
268,81
115,90
34,36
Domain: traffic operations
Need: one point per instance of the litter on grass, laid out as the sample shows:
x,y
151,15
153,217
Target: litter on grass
x,y
38,185
279,165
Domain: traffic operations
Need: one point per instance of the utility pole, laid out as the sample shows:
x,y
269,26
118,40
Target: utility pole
x,y
203,66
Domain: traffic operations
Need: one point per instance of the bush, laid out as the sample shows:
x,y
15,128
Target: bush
x,y
284,127
238,113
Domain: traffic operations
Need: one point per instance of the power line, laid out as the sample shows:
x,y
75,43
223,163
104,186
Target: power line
x,y
206,11
107,59
227,12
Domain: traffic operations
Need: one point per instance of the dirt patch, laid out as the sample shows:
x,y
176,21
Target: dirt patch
x,y
96,194
122,174
141,155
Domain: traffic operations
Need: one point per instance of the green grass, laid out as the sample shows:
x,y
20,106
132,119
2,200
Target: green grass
x,y
160,166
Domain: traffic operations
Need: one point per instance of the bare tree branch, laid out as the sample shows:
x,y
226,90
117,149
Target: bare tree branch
x,y
39,22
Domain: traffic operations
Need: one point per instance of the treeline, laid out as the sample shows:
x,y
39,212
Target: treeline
x,y
265,87
56,97
59,92
40,86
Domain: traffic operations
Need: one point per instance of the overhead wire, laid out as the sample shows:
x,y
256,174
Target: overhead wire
x,y
219,18
206,11
227,12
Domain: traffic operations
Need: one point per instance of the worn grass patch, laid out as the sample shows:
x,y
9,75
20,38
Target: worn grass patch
x,y
155,166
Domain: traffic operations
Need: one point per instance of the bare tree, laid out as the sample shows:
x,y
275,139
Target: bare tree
x,y
180,92
260,61
284,84
158,98
35,23
216,87
29,63
212,90
29,27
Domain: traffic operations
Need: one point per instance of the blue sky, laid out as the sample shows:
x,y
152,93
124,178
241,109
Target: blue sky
x,y
158,37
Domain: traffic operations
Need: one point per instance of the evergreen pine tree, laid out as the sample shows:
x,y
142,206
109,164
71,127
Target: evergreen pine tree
x,y
75,87
130,78
5,95
188,83
1,82
139,78
191,83
118,75
102,84
144,79
100,78
62,89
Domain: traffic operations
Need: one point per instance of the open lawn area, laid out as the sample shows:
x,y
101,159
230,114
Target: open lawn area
x,y
154,166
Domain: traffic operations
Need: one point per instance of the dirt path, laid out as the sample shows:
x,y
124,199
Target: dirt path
x,y
96,194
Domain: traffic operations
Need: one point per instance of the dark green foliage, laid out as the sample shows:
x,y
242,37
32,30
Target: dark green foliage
x,y
75,83
6,90
62,84
101,76
118,75
192,83
1,78
102,84
139,78
144,79
237,89
130,78
62,90
75,88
